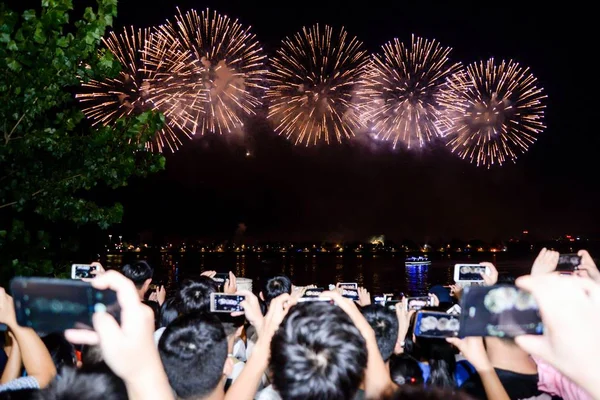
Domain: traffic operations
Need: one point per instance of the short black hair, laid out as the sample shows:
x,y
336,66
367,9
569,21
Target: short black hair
x,y
61,350
230,324
275,287
138,272
413,392
405,370
317,353
193,350
194,294
91,355
80,384
168,312
385,324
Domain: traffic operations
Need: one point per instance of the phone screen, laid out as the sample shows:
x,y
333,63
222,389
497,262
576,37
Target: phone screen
x,y
221,302
82,271
469,272
350,293
313,292
417,303
53,305
568,262
436,324
381,300
348,285
501,311
391,304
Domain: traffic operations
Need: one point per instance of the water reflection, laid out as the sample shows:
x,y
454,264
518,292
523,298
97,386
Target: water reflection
x,y
416,279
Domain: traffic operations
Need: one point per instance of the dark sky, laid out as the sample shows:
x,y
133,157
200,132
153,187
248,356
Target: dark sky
x,y
352,191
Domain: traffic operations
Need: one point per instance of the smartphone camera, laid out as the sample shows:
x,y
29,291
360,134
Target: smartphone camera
x,y
226,303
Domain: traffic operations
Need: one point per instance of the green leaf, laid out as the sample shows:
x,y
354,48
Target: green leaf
x,y
39,35
12,45
13,65
89,14
4,38
29,15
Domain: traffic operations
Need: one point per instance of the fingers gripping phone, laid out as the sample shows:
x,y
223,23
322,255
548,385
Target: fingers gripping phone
x,y
470,272
54,305
568,262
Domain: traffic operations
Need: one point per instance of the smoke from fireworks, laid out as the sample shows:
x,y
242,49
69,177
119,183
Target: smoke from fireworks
x,y
131,92
311,80
497,112
220,66
402,94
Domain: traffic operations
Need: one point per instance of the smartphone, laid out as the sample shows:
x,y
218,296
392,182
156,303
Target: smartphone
x,y
568,262
53,305
500,310
379,300
352,285
436,324
417,303
225,303
391,304
310,299
350,294
82,271
469,272
313,292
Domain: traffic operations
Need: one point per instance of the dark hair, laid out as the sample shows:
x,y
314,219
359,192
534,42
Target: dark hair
x,y
194,295
317,353
412,392
275,287
168,312
506,280
385,324
138,272
230,324
62,352
439,354
91,355
405,370
155,311
193,350
80,384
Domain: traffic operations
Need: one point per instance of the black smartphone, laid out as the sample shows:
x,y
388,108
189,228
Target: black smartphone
x,y
391,304
417,303
53,305
350,294
225,303
379,300
436,324
313,292
568,262
500,310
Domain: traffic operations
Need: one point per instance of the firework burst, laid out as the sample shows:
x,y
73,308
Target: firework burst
x,y
219,66
403,91
312,80
497,112
131,92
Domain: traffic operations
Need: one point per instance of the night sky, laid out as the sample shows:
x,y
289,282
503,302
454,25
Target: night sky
x,y
352,191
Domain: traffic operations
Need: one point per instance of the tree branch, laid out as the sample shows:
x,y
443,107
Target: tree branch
x,y
40,191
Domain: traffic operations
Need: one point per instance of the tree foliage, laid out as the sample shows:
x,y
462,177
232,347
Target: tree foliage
x,y
50,158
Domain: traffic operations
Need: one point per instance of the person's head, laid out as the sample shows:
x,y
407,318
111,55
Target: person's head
x,y
140,273
413,392
91,355
385,324
168,312
275,287
405,370
194,295
85,385
317,353
62,352
193,350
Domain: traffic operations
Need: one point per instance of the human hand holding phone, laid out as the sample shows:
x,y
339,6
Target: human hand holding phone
x,y
587,268
490,276
364,297
545,262
230,285
251,308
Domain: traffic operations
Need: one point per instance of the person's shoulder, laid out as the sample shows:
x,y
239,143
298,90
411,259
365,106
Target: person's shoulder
x,y
22,383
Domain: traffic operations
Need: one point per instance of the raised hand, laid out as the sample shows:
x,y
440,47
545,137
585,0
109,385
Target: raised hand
x,y
230,286
492,278
588,268
545,262
364,297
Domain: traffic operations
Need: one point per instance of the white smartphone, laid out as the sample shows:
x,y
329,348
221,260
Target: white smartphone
x,y
81,271
348,285
469,272
226,303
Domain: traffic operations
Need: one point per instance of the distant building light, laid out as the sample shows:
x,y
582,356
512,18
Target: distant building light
x,y
525,232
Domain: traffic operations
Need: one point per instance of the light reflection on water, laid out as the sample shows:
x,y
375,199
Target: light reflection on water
x,y
378,273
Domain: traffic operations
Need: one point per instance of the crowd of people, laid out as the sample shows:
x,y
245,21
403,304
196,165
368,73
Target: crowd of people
x,y
171,346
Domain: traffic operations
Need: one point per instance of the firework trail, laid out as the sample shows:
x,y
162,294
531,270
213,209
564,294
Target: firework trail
x,y
311,83
497,112
403,91
131,92
220,68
